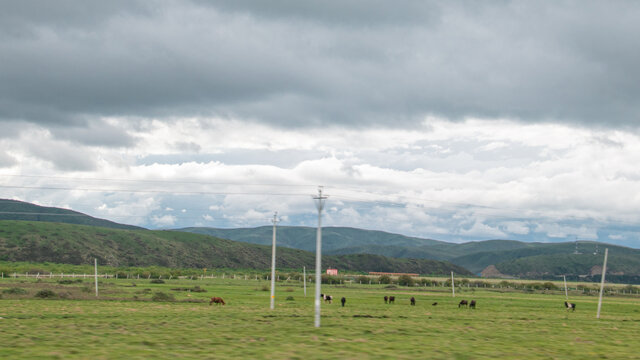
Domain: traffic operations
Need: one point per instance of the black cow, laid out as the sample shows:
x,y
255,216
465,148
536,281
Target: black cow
x,y
392,299
472,304
343,300
463,303
413,300
386,299
434,304
569,305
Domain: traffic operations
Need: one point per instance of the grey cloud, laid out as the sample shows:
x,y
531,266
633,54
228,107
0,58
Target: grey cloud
x,y
6,160
307,64
95,133
63,156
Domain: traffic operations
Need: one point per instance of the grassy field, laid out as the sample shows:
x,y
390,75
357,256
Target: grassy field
x,y
124,322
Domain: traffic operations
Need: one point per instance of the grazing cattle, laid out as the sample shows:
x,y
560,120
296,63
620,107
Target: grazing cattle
x,y
413,300
216,300
434,304
386,299
569,305
392,299
328,298
463,303
472,304
343,300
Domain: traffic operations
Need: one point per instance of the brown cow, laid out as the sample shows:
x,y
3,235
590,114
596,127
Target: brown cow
x,y
216,300
472,304
392,299
463,303
386,299
413,300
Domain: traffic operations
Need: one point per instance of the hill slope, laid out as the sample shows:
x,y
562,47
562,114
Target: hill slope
x,y
19,210
78,244
304,238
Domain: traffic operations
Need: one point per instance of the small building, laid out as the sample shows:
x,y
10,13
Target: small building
x,y
332,271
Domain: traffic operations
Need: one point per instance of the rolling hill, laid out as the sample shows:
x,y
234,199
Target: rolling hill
x,y
79,244
304,238
511,258
350,248
20,210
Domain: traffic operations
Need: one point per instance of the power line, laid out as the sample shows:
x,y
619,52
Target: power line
x,y
147,191
162,181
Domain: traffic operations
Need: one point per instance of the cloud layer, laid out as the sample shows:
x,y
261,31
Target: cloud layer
x,y
453,120
292,64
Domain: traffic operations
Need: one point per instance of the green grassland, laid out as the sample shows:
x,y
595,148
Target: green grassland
x,y
125,322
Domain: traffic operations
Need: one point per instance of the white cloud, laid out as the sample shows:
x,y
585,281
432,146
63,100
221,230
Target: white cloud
x,y
163,221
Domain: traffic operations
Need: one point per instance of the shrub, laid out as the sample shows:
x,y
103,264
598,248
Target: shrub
x,y
157,281
15,291
328,279
289,298
161,296
45,294
198,289
406,280
265,288
288,289
69,281
550,286
384,279
363,279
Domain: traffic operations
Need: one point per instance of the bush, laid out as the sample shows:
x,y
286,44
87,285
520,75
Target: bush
x,y
157,281
328,279
45,294
550,286
289,298
363,279
15,291
69,281
384,279
288,289
160,296
406,280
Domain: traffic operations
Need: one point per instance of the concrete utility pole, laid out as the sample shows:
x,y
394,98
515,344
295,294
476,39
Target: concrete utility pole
x,y
604,271
304,280
273,261
319,200
95,262
453,286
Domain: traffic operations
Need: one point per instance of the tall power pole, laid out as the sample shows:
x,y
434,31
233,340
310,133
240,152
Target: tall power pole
x,y
273,261
604,271
319,200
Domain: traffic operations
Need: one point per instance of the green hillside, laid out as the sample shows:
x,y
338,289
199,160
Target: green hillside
x,y
176,248
79,244
19,210
304,238
622,263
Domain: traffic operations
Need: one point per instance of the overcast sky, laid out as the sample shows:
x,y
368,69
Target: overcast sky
x,y
456,121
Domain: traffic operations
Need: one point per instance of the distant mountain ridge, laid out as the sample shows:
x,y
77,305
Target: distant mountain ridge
x,y
20,210
357,248
513,258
